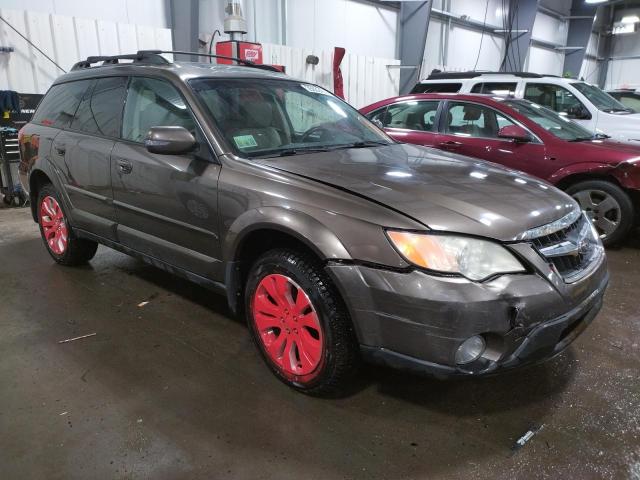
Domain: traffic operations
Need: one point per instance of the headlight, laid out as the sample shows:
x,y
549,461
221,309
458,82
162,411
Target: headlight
x,y
473,258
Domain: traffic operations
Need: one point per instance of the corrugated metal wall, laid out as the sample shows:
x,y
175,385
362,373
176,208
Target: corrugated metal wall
x,y
366,79
66,40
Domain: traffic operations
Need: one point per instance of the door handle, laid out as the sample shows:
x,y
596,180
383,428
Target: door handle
x,y
60,148
124,166
451,144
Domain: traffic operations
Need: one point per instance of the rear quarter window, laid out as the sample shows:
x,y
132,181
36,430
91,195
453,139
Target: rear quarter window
x,y
60,103
495,88
437,88
101,108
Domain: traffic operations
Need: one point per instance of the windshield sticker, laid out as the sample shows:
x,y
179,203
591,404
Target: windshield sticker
x,y
314,89
245,141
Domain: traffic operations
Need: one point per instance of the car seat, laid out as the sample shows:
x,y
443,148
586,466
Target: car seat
x,y
257,122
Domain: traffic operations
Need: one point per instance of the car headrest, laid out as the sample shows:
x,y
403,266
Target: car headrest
x,y
471,113
385,118
413,118
259,114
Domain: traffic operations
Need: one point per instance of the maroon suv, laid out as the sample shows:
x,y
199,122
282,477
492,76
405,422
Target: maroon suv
x,y
602,175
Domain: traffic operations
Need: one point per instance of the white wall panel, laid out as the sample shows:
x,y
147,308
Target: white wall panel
x,y
362,29
39,31
475,10
550,29
545,61
86,38
17,67
108,38
141,12
66,40
366,79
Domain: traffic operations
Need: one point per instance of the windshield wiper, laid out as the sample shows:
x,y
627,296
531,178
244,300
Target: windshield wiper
x,y
361,144
297,151
614,110
581,139
289,152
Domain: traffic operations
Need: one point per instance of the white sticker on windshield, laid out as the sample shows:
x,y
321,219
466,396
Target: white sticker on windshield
x,y
314,89
245,141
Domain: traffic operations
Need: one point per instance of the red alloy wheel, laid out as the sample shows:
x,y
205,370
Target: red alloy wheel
x,y
54,225
288,326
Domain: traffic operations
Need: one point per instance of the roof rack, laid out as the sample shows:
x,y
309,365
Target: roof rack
x,y
140,57
438,75
247,63
154,57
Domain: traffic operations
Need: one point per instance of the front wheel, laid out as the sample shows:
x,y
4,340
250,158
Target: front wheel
x,y
608,206
300,324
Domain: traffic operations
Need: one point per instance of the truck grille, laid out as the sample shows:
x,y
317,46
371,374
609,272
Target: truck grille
x,y
571,250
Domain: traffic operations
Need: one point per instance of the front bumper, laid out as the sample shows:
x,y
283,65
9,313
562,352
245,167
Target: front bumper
x,y
416,321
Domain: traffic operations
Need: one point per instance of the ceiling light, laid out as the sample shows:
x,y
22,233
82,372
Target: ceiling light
x,y
594,1
627,19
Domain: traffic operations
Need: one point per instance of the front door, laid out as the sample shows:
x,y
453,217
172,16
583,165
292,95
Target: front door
x,y
166,204
472,129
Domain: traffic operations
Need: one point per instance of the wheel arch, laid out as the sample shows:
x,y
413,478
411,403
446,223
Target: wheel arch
x,y
257,231
37,179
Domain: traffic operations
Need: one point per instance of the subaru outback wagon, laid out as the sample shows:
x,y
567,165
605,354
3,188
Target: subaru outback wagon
x,y
336,242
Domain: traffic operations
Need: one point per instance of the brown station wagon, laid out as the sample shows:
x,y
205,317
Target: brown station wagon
x,y
335,241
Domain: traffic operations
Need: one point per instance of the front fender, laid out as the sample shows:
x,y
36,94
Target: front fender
x,y
595,168
295,223
298,224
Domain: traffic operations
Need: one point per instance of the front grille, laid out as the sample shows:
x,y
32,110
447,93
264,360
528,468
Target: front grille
x,y
570,250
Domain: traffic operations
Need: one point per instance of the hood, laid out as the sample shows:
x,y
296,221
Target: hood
x,y
609,151
443,191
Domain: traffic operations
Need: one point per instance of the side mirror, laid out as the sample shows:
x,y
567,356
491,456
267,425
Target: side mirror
x,y
170,140
377,123
515,133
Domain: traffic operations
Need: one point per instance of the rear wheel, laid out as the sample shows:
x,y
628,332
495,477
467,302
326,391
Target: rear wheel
x,y
607,205
57,235
299,323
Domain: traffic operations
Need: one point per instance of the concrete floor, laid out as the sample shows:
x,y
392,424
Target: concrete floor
x,y
175,389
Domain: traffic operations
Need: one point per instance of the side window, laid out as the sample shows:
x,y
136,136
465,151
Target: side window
x,y
101,108
554,97
378,116
437,88
630,102
153,103
473,120
415,115
59,104
495,88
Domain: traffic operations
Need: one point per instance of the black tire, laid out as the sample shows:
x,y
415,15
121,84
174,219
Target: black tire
x,y
78,250
340,358
598,188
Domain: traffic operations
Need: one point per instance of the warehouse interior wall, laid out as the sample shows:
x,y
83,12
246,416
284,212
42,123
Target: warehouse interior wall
x,y
361,28
625,56
152,13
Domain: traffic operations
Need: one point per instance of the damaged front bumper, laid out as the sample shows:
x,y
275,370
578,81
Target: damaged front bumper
x,y
416,321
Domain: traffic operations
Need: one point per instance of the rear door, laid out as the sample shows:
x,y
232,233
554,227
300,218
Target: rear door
x,y
413,121
85,149
166,204
472,129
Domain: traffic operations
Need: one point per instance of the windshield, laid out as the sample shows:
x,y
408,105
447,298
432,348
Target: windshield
x,y
266,118
553,123
603,101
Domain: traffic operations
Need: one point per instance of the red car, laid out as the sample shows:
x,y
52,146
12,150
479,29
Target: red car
x,y
602,175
